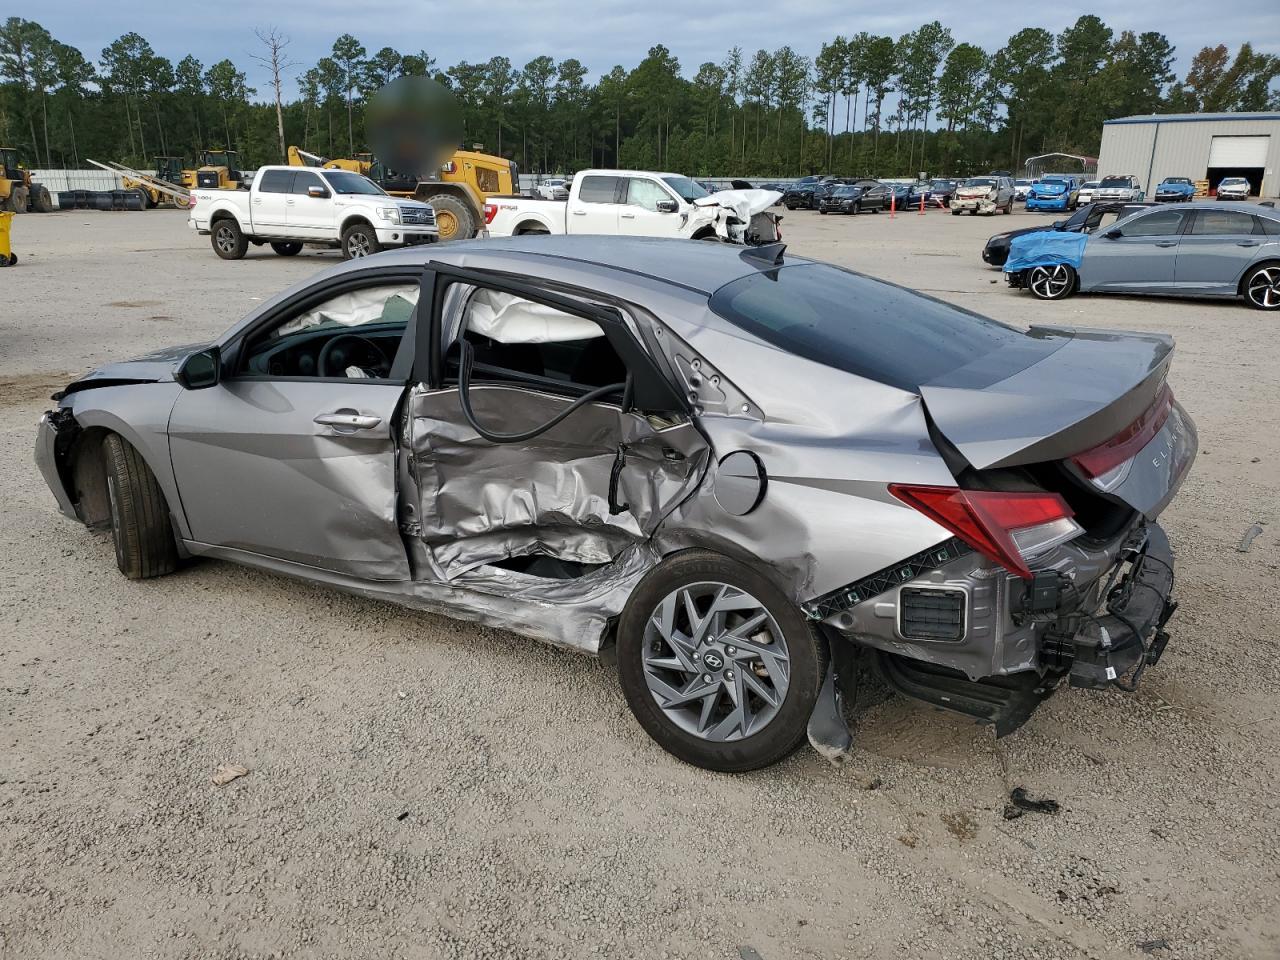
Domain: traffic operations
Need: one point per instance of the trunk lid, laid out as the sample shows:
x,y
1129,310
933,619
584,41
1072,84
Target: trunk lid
x,y
1065,392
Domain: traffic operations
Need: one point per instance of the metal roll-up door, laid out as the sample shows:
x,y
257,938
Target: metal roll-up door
x,y
1239,151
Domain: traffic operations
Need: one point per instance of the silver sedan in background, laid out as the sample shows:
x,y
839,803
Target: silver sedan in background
x,y
1196,250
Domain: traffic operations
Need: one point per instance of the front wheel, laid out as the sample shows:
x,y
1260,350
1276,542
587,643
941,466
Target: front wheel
x,y
1056,282
359,240
717,664
1262,287
229,241
289,248
140,526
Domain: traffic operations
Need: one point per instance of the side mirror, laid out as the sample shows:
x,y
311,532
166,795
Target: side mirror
x,y
1113,234
200,370
318,192
668,206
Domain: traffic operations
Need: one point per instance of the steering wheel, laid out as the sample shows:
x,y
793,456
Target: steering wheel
x,y
333,361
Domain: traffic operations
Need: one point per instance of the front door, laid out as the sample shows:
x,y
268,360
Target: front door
x,y
548,443
1140,260
595,208
293,454
311,216
1216,250
639,215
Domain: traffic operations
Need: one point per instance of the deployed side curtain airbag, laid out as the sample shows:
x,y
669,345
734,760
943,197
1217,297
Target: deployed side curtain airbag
x,y
357,308
506,318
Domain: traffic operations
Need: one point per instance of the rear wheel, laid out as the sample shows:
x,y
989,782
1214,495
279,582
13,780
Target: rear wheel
x,y
140,524
287,249
453,218
359,240
1262,287
717,665
1056,282
229,241
41,200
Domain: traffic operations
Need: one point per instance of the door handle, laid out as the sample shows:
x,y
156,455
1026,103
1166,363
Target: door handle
x,y
1249,243
1166,243
627,216
288,203
347,421
579,213
257,199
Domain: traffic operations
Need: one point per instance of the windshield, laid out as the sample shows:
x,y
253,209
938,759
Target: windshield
x,y
1229,181
1091,183
846,191
1054,180
1177,180
858,324
979,182
685,188
942,185
1115,181
344,181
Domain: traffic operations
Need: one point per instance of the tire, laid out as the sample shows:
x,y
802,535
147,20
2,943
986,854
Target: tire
x,y
716,735
359,240
1261,287
42,200
533,230
144,197
857,209
1052,283
955,213
1008,208
228,240
453,217
822,210
289,249
140,524
20,198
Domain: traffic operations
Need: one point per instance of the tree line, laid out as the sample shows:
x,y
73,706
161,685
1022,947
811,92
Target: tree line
x,y
861,105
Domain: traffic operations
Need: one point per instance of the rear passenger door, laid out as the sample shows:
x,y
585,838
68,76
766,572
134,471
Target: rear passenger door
x,y
1216,249
501,486
595,208
270,200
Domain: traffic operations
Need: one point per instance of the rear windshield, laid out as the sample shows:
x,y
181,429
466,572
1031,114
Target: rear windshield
x,y
1115,181
863,326
979,182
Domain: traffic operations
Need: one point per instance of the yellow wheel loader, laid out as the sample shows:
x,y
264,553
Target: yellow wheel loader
x,y
170,171
218,170
18,194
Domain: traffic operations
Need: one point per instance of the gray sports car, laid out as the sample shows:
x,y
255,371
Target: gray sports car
x,y
744,476
1197,250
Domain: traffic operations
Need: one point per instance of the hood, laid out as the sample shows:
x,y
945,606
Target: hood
x,y
744,204
155,367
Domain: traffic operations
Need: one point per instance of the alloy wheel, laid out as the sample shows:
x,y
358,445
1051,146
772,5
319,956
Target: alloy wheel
x,y
1264,288
716,661
357,245
1051,283
226,239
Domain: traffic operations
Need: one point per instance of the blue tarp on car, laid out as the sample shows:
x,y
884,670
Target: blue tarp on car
x,y
1044,249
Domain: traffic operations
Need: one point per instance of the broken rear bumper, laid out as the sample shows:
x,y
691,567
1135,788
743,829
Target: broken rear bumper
x,y
1115,645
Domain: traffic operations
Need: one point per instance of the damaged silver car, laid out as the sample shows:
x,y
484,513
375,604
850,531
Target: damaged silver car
x,y
744,476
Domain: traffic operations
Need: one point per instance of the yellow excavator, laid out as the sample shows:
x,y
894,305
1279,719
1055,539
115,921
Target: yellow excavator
x,y
18,194
466,180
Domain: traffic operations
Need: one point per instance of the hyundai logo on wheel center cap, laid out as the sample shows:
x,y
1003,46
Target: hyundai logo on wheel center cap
x,y
712,660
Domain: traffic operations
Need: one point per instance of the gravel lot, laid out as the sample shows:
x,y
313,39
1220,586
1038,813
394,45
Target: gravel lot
x,y
425,788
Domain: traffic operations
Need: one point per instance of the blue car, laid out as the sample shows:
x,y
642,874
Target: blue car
x,y
1054,193
1175,190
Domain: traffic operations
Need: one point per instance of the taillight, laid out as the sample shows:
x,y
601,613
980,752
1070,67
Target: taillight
x,y
1096,462
1010,528
490,211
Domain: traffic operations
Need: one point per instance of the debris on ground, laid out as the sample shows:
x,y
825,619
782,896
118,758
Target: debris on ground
x,y
1249,536
228,772
1020,802
960,825
1151,946
749,953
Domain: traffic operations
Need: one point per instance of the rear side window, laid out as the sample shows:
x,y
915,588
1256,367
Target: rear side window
x,y
276,181
1270,227
860,325
1220,223
598,190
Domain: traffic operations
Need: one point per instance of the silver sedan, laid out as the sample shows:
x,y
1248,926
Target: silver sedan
x,y
742,476
1228,251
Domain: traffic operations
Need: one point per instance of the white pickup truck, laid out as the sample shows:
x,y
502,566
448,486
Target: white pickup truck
x,y
289,207
641,204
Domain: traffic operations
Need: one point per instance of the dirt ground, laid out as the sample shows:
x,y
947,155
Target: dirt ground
x,y
420,787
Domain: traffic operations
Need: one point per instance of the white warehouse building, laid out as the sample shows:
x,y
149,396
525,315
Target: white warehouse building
x,y
1202,146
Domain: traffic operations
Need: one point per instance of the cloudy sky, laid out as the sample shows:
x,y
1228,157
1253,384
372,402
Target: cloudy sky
x,y
606,32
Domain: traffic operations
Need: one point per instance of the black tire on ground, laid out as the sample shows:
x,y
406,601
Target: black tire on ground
x,y
955,213
532,230
359,240
806,650
41,200
823,211
228,240
20,198
1261,287
1008,207
453,209
140,524
1052,283
287,249
144,197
